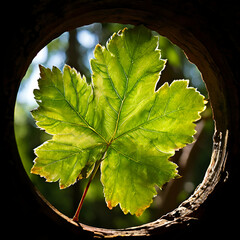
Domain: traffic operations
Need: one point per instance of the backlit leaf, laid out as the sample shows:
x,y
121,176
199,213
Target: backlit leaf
x,y
118,120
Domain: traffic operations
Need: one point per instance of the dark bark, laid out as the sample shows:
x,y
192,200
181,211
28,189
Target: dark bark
x,y
73,53
208,33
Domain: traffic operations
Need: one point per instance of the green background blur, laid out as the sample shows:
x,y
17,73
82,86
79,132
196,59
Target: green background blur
x,y
75,48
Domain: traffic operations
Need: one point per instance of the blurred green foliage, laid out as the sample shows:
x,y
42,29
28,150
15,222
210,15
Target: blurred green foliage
x,y
76,48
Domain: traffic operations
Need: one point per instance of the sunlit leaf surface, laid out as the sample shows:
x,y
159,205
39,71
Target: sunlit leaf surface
x,y
118,120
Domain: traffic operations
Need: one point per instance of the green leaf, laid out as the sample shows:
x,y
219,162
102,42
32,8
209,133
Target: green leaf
x,y
118,120
65,101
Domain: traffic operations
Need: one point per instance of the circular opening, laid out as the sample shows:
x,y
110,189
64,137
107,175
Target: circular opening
x,y
76,48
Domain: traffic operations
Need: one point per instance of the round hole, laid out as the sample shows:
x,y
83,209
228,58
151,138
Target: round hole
x,y
76,48
201,45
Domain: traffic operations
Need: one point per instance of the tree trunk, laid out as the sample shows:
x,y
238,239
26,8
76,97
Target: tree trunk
x,y
208,33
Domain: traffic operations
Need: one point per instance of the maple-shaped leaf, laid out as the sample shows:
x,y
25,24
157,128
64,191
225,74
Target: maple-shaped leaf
x,y
118,121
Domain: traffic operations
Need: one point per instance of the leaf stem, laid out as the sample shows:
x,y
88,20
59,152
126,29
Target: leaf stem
x,y
76,216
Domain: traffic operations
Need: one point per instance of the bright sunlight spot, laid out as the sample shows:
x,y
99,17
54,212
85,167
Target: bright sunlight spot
x,y
87,39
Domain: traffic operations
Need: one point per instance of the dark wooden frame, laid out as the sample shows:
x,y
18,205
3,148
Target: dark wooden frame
x,y
205,31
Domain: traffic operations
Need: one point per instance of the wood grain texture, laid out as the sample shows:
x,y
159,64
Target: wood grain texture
x,y
207,32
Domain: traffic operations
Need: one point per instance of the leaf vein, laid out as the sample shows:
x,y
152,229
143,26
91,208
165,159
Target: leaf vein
x,y
82,118
146,122
109,77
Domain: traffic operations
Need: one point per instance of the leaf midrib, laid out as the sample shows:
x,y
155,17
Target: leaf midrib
x,y
81,117
146,122
126,87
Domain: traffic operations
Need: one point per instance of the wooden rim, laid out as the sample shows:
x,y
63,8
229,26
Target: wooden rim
x,y
200,49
